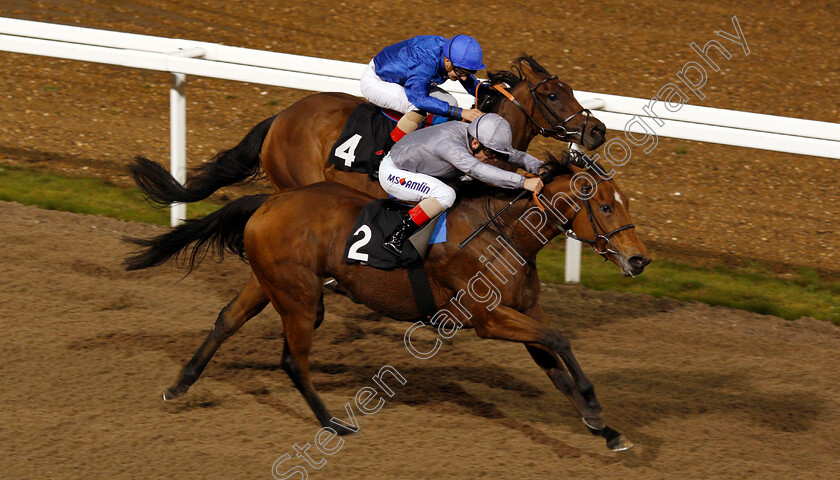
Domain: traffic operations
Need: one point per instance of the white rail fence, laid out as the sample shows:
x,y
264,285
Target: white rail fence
x,y
187,57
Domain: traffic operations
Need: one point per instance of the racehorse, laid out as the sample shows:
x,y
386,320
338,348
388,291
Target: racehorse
x,y
294,145
292,248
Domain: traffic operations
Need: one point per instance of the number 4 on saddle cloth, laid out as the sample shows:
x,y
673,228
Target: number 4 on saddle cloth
x,y
364,133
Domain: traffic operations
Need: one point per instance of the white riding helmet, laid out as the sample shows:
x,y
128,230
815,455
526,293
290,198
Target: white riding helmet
x,y
493,132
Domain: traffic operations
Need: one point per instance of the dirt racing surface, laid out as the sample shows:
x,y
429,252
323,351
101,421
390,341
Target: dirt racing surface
x,y
87,348
703,392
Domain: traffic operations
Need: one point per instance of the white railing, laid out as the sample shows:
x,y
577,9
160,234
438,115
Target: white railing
x,y
187,57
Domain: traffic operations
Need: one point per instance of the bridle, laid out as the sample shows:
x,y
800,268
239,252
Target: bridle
x,y
601,235
596,226
558,130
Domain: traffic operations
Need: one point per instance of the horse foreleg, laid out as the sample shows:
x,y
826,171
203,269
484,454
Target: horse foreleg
x,y
250,301
547,347
581,392
552,365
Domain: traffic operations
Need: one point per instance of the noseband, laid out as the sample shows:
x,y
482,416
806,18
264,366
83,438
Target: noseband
x,y
596,227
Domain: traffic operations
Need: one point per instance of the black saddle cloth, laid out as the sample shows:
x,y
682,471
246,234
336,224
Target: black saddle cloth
x,y
365,132
375,222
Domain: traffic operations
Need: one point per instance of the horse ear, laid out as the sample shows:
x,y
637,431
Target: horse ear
x,y
565,161
564,158
526,69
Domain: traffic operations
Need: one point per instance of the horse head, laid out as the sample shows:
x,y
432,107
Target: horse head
x,y
539,103
588,206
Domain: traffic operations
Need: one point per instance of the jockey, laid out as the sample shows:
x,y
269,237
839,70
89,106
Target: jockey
x,y
412,169
405,75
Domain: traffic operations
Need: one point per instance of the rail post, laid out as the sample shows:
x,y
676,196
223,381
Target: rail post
x,y
178,132
573,252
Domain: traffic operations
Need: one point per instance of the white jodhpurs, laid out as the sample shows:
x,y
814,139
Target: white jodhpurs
x,y
413,186
392,95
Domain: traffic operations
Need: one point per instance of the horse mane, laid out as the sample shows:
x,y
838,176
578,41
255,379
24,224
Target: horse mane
x,y
490,101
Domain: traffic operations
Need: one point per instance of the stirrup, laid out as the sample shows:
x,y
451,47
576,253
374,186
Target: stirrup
x,y
391,248
390,243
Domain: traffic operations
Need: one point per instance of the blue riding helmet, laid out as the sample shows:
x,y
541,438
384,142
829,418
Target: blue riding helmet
x,y
464,52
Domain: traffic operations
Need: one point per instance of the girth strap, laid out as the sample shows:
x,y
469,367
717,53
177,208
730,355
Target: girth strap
x,y
422,292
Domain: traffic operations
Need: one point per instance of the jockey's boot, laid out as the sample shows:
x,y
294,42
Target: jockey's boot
x,y
395,241
411,222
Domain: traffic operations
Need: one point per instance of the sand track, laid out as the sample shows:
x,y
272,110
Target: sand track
x,y
704,392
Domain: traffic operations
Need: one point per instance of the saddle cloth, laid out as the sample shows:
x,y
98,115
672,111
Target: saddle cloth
x,y
364,133
375,222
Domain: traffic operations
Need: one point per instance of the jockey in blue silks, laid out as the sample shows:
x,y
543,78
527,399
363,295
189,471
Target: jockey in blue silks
x,y
405,77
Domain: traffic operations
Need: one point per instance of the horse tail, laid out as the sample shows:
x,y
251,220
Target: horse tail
x,y
218,232
238,165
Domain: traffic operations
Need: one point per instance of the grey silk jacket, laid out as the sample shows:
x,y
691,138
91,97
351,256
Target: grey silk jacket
x,y
442,151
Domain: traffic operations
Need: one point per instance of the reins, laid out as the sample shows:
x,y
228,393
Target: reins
x,y
491,219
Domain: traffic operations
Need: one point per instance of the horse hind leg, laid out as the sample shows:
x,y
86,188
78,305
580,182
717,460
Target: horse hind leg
x,y
299,331
250,302
319,314
297,295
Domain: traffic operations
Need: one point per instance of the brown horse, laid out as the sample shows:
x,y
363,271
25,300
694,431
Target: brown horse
x,y
295,144
492,283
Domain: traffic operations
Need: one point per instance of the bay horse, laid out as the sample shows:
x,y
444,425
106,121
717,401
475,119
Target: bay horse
x,y
292,247
293,146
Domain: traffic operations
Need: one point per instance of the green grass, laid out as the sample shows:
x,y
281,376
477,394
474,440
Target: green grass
x,y
756,288
85,195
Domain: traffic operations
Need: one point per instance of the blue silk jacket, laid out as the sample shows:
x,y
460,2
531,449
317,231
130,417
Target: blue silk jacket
x,y
416,64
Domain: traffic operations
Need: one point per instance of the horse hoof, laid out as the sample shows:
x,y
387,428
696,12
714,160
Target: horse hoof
x,y
595,424
331,285
619,444
170,394
342,431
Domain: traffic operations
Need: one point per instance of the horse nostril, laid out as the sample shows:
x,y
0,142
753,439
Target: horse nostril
x,y
599,131
638,261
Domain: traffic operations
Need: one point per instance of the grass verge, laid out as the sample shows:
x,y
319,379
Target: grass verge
x,y
85,195
802,292
756,288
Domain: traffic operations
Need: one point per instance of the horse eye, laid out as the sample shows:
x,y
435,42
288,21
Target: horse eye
x,y
606,208
552,97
